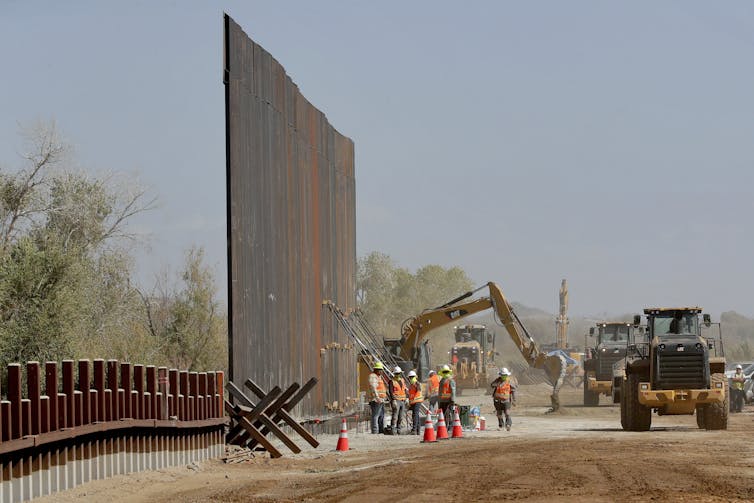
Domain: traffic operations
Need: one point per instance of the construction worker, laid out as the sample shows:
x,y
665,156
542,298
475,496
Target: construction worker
x,y
433,389
377,397
737,389
446,397
398,394
503,397
415,400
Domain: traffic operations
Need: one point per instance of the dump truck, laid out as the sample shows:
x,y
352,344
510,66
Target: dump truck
x,y
610,341
673,369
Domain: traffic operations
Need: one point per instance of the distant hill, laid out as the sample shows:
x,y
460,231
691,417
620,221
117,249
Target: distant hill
x,y
530,312
738,336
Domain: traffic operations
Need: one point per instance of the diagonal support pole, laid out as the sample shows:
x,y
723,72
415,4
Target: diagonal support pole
x,y
270,411
236,414
257,412
283,415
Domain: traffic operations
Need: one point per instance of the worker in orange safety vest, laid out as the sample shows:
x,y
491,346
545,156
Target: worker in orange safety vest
x,y
415,400
446,396
433,389
398,393
503,397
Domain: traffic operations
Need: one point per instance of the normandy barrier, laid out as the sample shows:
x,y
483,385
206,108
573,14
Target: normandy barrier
x,y
82,421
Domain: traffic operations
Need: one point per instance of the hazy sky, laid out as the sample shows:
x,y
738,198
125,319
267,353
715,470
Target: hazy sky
x,y
608,143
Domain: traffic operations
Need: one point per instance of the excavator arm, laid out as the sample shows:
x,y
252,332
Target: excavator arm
x,y
415,329
554,365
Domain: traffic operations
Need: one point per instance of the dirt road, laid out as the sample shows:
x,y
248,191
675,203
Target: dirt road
x,y
578,454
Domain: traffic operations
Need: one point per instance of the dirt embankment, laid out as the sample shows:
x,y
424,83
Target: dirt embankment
x,y
578,454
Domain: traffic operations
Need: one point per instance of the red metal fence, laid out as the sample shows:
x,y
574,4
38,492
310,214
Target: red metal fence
x,y
62,425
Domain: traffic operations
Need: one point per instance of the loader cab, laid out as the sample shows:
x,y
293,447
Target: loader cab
x,y
468,333
613,333
675,322
679,353
609,343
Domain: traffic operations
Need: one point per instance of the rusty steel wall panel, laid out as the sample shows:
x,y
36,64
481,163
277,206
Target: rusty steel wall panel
x,y
291,232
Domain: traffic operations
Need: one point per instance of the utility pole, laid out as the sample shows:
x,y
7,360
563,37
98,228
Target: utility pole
x,y
561,324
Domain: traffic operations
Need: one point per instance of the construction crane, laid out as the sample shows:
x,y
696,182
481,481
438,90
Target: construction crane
x,y
561,324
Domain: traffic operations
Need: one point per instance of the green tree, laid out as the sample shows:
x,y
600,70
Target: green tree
x,y
388,294
63,260
35,308
187,319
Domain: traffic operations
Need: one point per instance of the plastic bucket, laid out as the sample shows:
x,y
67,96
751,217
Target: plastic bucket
x,y
463,413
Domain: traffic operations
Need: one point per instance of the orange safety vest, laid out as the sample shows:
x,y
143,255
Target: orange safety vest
x,y
399,390
381,388
503,391
446,392
415,393
433,385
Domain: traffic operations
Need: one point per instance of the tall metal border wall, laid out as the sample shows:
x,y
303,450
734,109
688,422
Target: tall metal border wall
x,y
291,232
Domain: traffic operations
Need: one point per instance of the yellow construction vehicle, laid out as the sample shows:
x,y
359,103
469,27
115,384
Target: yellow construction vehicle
x,y
472,356
610,342
412,344
674,369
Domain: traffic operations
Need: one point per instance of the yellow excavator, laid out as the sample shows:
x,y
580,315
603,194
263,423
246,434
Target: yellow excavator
x,y
414,330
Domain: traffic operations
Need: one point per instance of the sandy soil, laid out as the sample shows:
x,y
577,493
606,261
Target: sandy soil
x,y
578,454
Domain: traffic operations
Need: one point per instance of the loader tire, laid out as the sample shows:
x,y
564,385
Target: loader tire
x,y
591,399
638,417
623,420
716,413
700,416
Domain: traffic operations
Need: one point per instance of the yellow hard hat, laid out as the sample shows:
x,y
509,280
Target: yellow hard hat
x,y
378,366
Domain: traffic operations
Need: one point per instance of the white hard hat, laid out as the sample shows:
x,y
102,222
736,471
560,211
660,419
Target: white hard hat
x,y
445,368
739,367
397,370
411,373
505,372
431,372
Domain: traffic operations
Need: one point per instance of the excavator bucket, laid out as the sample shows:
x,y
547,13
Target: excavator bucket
x,y
555,366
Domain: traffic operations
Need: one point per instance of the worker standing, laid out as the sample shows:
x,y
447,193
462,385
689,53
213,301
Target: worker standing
x,y
738,380
503,397
377,397
446,397
398,393
433,388
415,400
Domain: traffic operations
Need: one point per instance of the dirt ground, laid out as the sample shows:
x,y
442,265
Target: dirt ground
x,y
577,454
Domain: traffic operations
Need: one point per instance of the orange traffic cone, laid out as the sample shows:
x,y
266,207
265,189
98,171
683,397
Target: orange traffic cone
x,y
442,430
429,430
343,439
457,430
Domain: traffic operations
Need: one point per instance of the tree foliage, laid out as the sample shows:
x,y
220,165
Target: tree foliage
x,y
66,288
388,294
187,319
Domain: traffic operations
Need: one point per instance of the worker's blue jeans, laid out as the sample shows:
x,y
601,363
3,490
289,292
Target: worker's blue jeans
x,y
398,416
378,416
415,412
